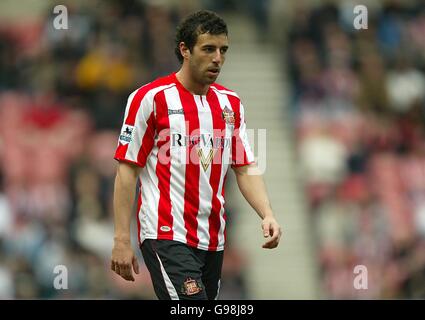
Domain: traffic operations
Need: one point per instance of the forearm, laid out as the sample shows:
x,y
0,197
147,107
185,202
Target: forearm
x,y
124,191
253,188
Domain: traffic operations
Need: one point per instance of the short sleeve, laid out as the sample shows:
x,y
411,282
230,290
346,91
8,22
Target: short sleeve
x,y
137,135
242,154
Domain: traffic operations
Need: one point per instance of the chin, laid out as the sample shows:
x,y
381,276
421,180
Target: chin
x,y
211,80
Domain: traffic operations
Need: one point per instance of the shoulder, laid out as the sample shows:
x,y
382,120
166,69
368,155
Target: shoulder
x,y
232,96
150,89
218,88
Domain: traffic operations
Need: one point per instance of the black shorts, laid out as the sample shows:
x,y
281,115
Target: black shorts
x,y
180,272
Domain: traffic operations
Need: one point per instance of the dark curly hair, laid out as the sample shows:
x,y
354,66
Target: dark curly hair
x,y
200,22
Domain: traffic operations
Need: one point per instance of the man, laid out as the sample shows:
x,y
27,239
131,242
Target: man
x,y
180,134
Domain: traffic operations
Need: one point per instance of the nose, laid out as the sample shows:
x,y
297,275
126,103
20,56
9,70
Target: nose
x,y
218,57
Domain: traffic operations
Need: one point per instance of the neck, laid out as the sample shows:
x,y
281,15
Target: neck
x,y
185,78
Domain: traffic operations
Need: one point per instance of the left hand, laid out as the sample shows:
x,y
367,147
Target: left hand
x,y
271,229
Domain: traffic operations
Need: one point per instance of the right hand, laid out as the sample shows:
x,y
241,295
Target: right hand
x,y
123,259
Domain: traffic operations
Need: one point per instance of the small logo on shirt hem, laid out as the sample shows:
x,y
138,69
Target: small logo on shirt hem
x,y
165,228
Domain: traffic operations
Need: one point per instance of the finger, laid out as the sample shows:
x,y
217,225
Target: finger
x,y
267,245
273,242
275,232
274,235
126,271
135,265
266,228
117,269
128,276
271,245
279,235
123,269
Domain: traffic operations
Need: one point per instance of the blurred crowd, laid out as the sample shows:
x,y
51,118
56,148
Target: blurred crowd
x,y
358,105
62,100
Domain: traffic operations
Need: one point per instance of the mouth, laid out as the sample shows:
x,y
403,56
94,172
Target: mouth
x,y
214,71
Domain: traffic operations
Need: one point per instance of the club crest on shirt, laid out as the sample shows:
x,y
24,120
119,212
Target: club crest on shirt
x,y
228,116
127,134
191,287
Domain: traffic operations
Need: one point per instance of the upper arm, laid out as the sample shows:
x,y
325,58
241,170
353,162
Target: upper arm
x,y
245,170
127,171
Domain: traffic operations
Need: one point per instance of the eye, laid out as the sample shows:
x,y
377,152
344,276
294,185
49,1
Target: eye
x,y
223,50
209,49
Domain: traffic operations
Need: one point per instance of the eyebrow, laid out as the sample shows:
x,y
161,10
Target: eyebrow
x,y
212,45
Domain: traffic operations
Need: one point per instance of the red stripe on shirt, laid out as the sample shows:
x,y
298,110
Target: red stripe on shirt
x,y
219,132
148,141
239,156
191,194
165,218
121,151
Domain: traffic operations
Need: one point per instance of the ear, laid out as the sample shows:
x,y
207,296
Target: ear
x,y
184,50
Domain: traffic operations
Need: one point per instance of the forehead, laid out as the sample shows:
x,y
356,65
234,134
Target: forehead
x,y
218,40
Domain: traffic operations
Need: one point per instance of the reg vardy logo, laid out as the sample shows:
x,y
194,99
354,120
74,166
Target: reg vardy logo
x,y
206,145
202,140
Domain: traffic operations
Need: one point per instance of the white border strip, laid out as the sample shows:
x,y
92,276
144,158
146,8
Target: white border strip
x,y
218,289
170,288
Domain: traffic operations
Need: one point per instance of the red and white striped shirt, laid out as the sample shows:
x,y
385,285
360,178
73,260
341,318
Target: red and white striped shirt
x,y
185,144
